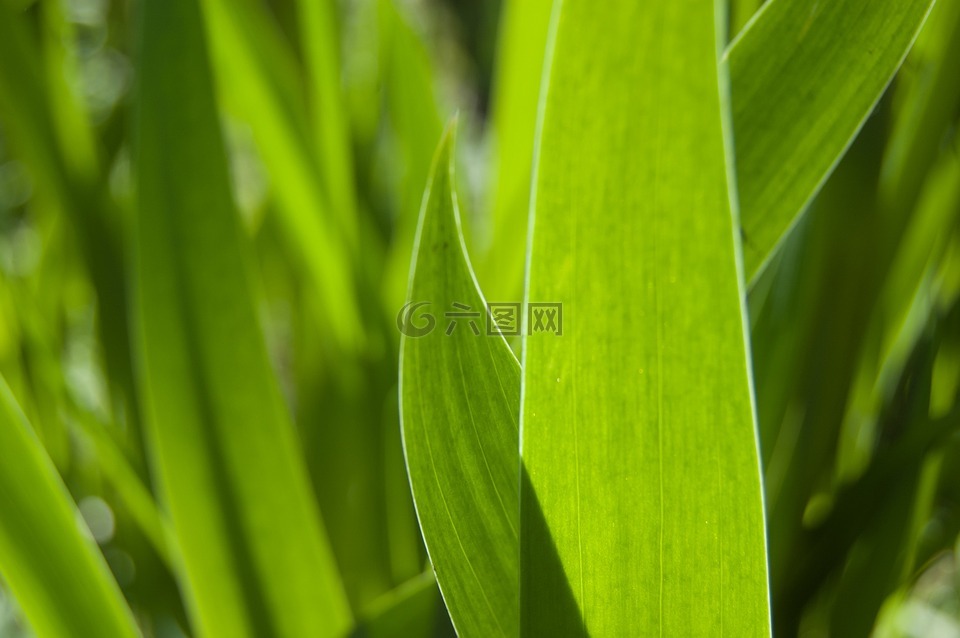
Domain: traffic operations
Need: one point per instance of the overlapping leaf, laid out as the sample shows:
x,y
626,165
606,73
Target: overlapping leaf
x,y
258,75
804,77
254,551
641,508
522,42
460,398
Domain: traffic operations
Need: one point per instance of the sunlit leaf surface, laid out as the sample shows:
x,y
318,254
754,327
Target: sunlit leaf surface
x,y
804,77
641,507
459,398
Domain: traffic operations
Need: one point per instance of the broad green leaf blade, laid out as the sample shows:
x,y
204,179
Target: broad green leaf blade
x,y
741,11
641,506
804,77
255,555
460,397
48,560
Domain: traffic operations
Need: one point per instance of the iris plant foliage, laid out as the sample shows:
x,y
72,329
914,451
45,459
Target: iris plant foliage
x,y
531,317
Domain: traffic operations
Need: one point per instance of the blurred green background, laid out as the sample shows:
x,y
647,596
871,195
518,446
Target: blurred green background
x,y
332,111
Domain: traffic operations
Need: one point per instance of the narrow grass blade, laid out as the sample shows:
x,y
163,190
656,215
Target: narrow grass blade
x,y
927,107
134,494
408,610
459,395
641,507
258,74
328,119
255,555
522,42
47,559
415,123
26,108
804,77
48,130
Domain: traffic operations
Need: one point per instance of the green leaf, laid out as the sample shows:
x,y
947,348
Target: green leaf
x,y
741,11
318,32
255,555
641,503
408,79
522,42
460,397
49,131
927,102
407,610
47,558
258,74
131,491
804,77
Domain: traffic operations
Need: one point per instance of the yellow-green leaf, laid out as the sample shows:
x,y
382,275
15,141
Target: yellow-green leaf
x,y
804,77
460,396
522,42
641,507
47,558
258,74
